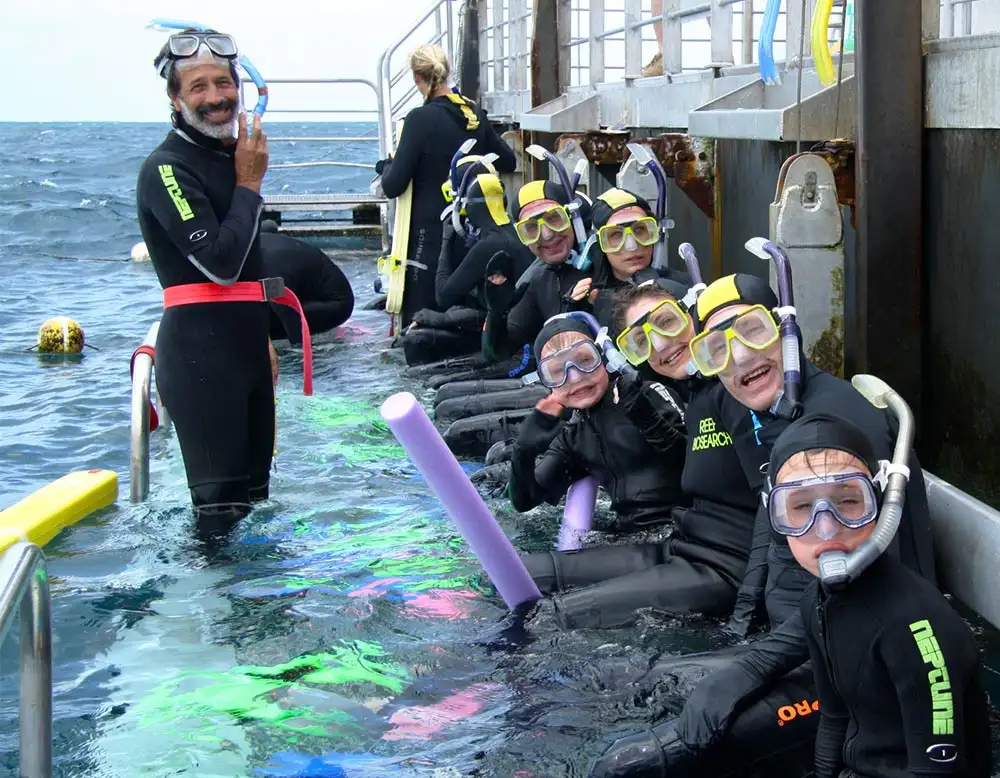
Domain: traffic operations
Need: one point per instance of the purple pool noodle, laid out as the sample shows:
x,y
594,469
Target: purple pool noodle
x,y
578,515
417,435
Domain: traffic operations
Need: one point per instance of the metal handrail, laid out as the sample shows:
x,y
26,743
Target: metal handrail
x,y
142,382
386,80
377,110
24,589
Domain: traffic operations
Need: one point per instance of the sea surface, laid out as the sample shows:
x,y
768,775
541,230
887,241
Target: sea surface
x,y
347,631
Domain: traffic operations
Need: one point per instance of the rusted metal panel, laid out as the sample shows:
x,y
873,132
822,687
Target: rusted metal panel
x,y
602,147
961,283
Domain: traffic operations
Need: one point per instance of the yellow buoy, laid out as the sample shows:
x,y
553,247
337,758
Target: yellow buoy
x,y
60,335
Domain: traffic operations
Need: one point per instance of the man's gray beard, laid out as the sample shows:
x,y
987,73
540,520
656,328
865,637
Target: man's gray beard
x,y
224,131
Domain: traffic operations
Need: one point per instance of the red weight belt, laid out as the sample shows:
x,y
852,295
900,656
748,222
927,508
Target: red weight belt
x,y
266,290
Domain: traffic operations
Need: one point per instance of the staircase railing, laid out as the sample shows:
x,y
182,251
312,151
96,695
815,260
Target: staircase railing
x,y
442,15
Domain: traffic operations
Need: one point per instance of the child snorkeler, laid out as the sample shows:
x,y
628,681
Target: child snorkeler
x,y
896,668
644,482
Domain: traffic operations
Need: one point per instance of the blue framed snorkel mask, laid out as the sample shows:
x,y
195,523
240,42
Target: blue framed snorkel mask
x,y
181,46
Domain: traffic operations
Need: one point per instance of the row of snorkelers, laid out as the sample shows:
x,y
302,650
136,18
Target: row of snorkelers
x,y
693,430
778,512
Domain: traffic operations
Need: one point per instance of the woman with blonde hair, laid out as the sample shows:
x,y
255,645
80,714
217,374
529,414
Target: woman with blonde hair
x,y
431,134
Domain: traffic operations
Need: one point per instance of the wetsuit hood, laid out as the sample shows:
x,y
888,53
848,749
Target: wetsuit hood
x,y
614,200
606,206
821,431
485,203
460,108
534,191
740,288
557,325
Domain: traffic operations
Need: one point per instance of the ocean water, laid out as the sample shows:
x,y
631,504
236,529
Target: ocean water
x,y
346,631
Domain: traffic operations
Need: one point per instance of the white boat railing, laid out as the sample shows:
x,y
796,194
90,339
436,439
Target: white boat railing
x,y
24,592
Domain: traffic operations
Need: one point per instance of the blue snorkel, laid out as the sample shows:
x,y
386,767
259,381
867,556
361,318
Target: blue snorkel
x,y
463,189
765,47
165,25
787,405
686,251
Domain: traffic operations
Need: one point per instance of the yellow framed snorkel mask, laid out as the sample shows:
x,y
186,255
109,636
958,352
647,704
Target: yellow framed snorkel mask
x,y
712,351
665,321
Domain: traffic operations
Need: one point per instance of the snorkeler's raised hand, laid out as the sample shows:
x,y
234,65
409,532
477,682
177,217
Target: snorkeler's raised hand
x,y
549,405
499,287
252,155
584,291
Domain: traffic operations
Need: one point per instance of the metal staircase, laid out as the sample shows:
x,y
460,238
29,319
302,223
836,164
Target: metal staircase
x,y
352,214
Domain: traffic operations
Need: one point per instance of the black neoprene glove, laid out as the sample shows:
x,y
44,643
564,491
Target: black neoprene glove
x,y
380,165
499,297
654,409
714,704
537,432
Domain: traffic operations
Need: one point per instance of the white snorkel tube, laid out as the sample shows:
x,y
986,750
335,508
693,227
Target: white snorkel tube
x,y
837,568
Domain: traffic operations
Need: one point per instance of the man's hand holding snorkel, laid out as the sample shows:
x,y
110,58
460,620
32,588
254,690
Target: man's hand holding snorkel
x,y
252,155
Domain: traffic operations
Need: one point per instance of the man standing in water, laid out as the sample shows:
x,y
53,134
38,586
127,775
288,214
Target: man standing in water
x,y
199,203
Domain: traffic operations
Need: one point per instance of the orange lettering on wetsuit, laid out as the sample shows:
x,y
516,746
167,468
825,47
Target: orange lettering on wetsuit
x,y
788,713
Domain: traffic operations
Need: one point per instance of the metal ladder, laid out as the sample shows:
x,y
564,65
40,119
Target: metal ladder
x,y
392,100
24,590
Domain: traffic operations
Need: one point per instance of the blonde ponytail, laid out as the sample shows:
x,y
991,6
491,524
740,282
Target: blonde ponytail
x,y
431,64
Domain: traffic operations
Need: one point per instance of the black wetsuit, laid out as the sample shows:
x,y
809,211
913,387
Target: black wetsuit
x,y
608,285
321,286
432,133
456,328
461,282
545,295
213,371
774,580
644,484
898,676
701,565
729,723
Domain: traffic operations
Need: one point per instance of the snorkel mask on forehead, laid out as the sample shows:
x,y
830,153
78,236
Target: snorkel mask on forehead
x,y
850,499
204,44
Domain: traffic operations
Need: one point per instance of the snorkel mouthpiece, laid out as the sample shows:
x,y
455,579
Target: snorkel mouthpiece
x,y
836,568
573,207
646,162
686,252
788,404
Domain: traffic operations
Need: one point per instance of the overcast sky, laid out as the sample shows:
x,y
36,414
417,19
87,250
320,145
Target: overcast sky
x,y
91,60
